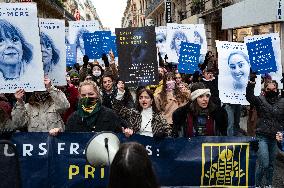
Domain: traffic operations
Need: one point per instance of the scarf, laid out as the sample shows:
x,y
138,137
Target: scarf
x,y
88,110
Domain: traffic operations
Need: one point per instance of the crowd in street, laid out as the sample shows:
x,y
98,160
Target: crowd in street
x,y
181,105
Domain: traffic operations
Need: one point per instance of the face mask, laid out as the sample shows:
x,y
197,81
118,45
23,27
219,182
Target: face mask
x,y
170,85
41,96
271,94
88,104
97,73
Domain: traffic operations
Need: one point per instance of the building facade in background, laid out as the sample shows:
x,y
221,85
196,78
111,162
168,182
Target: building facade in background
x,y
64,9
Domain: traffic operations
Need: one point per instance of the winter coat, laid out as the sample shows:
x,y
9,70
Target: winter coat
x,y
183,114
43,116
160,127
270,116
107,120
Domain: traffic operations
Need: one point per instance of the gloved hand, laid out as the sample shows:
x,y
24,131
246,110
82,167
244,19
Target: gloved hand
x,y
105,59
252,76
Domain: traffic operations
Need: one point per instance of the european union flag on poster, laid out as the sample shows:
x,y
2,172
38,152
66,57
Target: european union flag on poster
x,y
98,43
92,43
70,54
261,56
189,57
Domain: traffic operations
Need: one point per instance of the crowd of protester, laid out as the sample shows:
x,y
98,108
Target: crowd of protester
x,y
96,99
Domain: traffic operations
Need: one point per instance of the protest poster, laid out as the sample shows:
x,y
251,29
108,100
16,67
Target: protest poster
x,y
189,58
137,58
20,59
98,43
234,71
161,38
52,40
48,161
275,39
76,31
192,33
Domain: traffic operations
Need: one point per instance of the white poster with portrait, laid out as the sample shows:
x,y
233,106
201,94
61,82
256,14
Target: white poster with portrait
x,y
76,31
277,54
234,70
52,40
161,38
20,60
192,33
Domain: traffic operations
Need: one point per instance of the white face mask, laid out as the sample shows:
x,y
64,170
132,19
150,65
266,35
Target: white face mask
x,y
97,73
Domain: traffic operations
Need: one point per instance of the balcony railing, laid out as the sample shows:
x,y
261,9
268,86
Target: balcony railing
x,y
151,7
217,3
197,7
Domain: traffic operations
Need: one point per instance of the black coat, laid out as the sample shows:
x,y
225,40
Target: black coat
x,y
270,116
180,123
107,120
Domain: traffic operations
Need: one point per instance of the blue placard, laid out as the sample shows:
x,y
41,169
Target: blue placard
x,y
70,54
189,57
261,56
98,43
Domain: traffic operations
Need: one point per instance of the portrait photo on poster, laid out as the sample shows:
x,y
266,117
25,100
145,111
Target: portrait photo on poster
x,y
53,47
161,39
191,33
50,54
15,52
20,52
234,71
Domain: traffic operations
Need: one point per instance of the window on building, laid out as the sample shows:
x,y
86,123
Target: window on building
x,y
240,34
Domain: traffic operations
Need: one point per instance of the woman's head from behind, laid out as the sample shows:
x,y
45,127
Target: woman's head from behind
x,y
239,67
132,168
13,47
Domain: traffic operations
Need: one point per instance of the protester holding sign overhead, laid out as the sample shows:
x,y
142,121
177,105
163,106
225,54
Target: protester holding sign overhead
x,y
270,112
42,112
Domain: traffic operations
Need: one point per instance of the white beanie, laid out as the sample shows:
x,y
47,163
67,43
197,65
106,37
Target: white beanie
x,y
199,92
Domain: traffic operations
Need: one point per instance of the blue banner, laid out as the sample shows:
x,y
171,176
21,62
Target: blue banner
x,y
60,162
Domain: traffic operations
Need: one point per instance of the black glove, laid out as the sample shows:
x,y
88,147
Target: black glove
x,y
6,133
252,76
105,59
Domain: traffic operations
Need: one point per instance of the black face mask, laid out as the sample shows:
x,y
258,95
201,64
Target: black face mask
x,y
271,94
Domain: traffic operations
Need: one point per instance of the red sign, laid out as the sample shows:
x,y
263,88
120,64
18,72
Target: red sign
x,y
77,15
